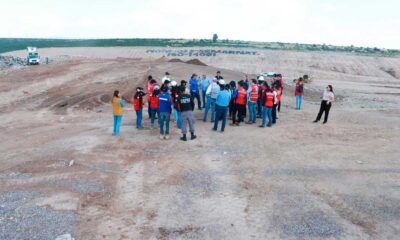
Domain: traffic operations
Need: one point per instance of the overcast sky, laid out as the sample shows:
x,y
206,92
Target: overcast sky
x,y
367,23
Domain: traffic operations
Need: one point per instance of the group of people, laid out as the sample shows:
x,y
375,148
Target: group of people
x,y
252,98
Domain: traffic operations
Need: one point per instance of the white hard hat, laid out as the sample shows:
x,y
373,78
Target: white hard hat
x,y
173,83
156,87
261,78
221,82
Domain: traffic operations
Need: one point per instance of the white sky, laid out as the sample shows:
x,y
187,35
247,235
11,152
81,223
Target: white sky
x,y
353,22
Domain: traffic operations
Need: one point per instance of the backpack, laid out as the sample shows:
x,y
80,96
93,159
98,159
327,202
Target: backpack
x,y
300,88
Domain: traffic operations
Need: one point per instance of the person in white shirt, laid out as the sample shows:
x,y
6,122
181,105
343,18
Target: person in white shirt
x,y
166,78
327,98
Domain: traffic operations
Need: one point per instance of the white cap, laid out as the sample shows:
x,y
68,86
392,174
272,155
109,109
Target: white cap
x,y
173,83
214,79
156,87
221,82
261,78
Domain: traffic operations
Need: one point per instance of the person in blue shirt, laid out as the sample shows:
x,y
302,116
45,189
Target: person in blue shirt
x,y
164,108
223,99
194,89
204,82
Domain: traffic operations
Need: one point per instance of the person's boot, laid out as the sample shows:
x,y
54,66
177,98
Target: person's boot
x,y
161,136
315,121
166,137
325,122
192,136
183,138
238,124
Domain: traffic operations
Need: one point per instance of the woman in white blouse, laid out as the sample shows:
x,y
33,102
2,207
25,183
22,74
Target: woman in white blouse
x,y
327,98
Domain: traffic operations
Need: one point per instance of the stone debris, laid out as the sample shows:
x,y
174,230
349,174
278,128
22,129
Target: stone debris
x,y
65,237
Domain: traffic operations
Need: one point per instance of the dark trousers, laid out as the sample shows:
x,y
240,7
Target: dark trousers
x,y
325,107
221,115
238,112
149,109
279,104
231,107
259,107
197,96
274,113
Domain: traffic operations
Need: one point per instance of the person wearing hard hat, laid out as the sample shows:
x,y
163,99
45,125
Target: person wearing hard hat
x,y
154,105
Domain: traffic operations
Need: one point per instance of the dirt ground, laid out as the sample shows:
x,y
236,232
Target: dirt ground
x,y
62,171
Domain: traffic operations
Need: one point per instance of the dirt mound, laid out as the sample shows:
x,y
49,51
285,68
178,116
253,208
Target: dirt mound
x,y
196,61
176,60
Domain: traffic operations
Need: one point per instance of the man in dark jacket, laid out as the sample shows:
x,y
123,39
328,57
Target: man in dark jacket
x,y
186,107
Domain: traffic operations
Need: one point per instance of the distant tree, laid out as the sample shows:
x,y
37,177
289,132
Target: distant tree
x,y
215,38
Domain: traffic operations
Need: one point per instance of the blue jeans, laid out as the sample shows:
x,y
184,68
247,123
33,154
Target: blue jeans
x,y
203,97
252,111
197,96
210,102
221,115
139,117
117,124
164,117
267,112
299,101
153,112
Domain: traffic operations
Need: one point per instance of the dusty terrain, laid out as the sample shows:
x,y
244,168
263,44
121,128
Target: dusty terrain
x,y
62,172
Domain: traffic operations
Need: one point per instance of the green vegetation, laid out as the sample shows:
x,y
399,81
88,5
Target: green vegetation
x,y
12,44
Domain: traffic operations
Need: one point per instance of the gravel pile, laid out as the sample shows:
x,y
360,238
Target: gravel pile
x,y
21,220
9,61
297,216
81,185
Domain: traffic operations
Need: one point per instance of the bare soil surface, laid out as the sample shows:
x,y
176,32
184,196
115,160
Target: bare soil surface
x,y
62,171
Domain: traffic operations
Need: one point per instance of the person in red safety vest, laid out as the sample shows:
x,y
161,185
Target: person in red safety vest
x,y
150,87
299,93
275,92
240,99
153,102
252,99
138,103
268,103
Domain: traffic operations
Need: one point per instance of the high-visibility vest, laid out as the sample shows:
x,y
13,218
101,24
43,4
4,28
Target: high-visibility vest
x,y
254,93
241,97
136,102
154,101
278,95
270,99
116,106
150,90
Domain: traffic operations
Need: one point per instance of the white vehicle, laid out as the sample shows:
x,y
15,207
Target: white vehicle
x,y
33,57
267,74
